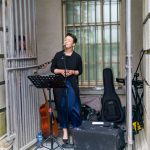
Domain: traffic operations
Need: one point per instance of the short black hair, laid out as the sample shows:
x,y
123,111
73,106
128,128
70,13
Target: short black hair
x,y
73,36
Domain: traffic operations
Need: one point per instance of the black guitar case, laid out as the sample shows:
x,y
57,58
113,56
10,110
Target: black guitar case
x,y
112,110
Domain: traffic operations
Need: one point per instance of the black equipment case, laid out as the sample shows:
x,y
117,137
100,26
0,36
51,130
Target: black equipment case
x,y
98,137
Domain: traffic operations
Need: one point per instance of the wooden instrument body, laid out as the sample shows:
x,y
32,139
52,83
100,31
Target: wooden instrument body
x,y
45,121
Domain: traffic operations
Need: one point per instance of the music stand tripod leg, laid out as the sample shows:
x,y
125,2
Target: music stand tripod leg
x,y
51,137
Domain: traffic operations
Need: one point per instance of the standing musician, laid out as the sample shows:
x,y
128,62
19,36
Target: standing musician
x,y
68,64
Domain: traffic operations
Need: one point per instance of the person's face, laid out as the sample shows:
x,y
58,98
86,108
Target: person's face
x,y
68,42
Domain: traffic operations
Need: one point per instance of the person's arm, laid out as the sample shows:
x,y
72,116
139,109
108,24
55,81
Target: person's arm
x,y
78,71
54,63
71,72
59,71
54,67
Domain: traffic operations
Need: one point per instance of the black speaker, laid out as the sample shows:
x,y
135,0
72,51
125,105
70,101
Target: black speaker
x,y
97,137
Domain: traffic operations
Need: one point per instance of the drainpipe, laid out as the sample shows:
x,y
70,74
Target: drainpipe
x,y
129,76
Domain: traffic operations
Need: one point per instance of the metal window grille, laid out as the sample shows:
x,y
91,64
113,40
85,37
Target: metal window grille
x,y
96,24
22,105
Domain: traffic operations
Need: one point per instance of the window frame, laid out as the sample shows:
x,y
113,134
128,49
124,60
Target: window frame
x,y
121,64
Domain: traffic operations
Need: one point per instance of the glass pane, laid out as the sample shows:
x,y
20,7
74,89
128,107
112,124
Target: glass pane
x,y
91,12
107,55
106,34
70,30
77,12
78,49
84,12
91,34
114,34
93,54
118,33
99,53
84,37
99,64
113,12
78,45
106,12
98,34
91,68
100,72
86,72
118,11
77,34
84,47
115,70
114,52
69,13
98,12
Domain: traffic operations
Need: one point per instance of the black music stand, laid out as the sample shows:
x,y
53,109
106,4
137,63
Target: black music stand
x,y
51,81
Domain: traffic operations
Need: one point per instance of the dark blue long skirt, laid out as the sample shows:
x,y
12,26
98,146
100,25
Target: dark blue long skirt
x,y
70,114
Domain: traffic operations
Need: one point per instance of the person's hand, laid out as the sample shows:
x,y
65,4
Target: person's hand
x,y
66,73
70,72
62,72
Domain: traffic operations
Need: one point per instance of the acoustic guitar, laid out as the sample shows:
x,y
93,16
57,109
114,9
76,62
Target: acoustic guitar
x,y
45,114
45,119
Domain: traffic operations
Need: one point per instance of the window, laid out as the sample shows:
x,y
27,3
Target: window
x,y
96,25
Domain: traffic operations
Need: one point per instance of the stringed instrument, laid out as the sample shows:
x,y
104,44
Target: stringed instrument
x,y
45,114
45,119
